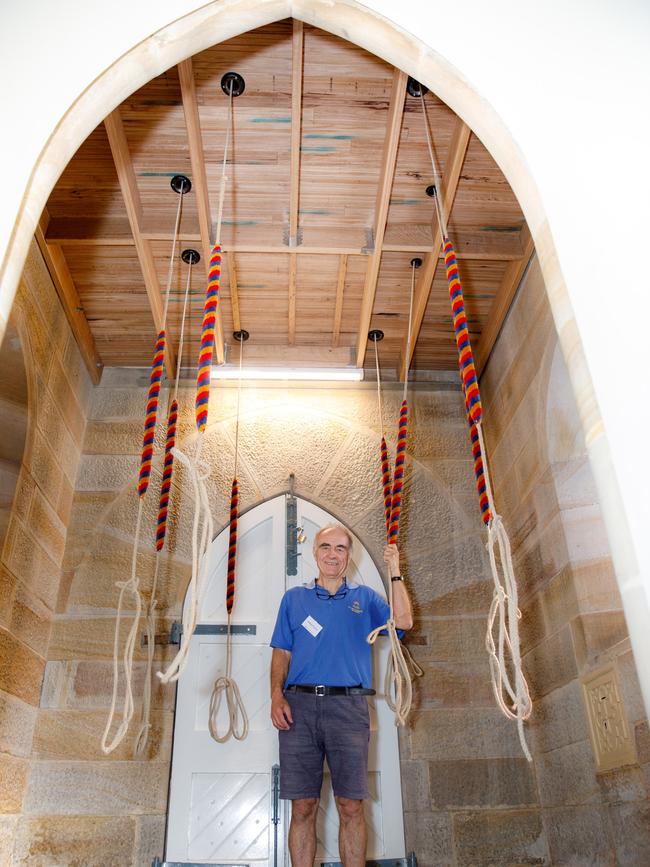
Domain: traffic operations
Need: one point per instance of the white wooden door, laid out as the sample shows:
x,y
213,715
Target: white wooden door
x,y
220,802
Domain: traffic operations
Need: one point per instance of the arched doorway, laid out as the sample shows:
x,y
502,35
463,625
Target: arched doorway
x,y
223,805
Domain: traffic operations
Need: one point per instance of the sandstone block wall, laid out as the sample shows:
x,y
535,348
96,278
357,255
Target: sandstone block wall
x,y
32,555
572,622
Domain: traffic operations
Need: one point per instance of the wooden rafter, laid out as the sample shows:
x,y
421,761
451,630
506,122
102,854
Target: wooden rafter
x,y
502,300
338,307
70,301
197,161
293,267
473,244
126,176
297,50
199,179
386,174
453,166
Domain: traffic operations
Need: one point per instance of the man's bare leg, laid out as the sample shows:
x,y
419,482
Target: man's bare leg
x,y
302,832
353,835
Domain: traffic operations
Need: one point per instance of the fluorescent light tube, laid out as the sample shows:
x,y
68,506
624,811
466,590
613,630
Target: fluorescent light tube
x,y
304,374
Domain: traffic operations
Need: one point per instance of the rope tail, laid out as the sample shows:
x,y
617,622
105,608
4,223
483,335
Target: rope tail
x,y
398,690
512,698
202,521
132,585
225,685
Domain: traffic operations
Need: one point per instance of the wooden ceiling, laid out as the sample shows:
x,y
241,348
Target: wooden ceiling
x,y
324,208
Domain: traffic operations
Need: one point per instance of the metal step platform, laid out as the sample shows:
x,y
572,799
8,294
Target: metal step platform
x,y
409,861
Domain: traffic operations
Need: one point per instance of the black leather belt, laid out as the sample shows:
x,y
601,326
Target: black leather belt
x,y
319,689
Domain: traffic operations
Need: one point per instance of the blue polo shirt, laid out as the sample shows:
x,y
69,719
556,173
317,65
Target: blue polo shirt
x,y
327,637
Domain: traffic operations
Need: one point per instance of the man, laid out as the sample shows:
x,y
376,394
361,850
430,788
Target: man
x,y
321,671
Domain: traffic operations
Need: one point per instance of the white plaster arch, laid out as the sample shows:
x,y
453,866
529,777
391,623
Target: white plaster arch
x,y
184,29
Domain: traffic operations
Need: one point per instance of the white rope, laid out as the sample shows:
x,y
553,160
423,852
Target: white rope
x,y
142,735
505,610
408,333
401,667
171,260
379,409
222,183
442,223
225,685
130,586
202,531
181,338
398,689
241,360
504,605
202,524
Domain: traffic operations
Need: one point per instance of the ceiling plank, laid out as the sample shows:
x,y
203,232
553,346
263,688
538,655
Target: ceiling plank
x,y
386,174
293,262
502,301
70,301
234,293
126,176
297,51
453,166
199,179
338,307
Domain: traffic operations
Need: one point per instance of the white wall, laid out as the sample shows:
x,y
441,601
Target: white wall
x,y
569,82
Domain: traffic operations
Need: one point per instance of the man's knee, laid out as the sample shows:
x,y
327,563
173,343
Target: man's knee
x,y
349,809
304,809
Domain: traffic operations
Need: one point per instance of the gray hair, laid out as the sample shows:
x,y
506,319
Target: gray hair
x,y
334,526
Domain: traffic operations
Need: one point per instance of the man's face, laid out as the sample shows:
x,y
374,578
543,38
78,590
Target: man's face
x,y
332,553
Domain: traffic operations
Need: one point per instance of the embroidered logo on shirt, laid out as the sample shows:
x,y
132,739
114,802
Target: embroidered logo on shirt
x,y
312,626
355,608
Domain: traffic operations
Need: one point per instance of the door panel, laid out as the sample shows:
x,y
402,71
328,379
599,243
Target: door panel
x,y
220,796
229,818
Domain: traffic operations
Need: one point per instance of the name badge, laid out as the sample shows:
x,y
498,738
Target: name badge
x,y
312,626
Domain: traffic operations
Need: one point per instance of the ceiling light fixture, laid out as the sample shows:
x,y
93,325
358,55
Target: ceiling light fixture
x,y
304,374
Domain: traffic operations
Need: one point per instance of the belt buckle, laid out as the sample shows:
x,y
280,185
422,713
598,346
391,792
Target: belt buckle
x,y
319,689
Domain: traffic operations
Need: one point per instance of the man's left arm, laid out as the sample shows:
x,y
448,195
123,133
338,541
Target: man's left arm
x,y
402,611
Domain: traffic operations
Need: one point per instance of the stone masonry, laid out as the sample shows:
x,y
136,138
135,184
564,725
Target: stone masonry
x,y
470,798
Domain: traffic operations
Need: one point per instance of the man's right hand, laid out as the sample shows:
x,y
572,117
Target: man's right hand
x,y
281,712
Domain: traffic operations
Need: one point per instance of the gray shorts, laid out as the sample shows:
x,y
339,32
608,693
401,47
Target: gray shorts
x,y
335,727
